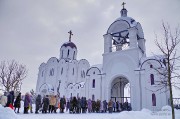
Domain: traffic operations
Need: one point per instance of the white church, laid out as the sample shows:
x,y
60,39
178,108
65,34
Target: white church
x,y
124,65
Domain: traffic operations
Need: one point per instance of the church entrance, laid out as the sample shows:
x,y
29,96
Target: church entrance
x,y
120,92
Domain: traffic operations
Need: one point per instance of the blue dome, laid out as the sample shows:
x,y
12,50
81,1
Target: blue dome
x,y
70,44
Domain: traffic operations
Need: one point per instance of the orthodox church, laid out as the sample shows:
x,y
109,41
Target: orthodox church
x,y
124,63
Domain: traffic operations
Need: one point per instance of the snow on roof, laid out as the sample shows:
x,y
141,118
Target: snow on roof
x,y
130,20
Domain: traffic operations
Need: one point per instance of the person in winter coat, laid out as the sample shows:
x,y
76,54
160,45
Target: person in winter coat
x,y
62,104
17,103
89,106
110,106
10,99
52,103
26,103
101,107
83,104
98,104
93,106
38,103
105,106
118,106
67,105
78,109
3,100
57,103
73,104
114,106
45,104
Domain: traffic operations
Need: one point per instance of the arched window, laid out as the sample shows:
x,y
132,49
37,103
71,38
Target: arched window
x,y
152,79
151,66
93,83
153,99
93,97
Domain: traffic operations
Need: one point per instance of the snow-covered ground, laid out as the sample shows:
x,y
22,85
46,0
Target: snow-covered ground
x,y
7,113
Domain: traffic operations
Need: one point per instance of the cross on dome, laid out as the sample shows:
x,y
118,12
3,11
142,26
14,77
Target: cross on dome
x,y
123,4
70,34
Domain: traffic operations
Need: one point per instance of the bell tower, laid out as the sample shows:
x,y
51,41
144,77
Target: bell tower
x,y
124,33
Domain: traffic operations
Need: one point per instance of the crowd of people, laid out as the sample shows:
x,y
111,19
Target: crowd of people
x,y
54,104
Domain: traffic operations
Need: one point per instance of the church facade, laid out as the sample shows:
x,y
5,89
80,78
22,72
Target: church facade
x,y
125,64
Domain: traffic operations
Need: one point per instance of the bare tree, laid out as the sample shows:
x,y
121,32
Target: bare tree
x,y
12,75
168,47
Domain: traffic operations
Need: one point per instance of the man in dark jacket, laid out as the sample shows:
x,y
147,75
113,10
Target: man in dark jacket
x,y
105,106
10,98
62,104
45,104
17,103
38,103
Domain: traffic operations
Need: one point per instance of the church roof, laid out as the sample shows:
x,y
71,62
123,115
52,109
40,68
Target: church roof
x,y
70,44
130,20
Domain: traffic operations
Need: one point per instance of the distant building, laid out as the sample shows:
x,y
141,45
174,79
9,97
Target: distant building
x,y
124,63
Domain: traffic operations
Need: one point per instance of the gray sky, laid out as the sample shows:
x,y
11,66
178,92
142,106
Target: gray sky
x,y
32,31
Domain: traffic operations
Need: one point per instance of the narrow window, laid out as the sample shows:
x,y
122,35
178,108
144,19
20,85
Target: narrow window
x,y
61,71
152,79
71,94
77,94
94,72
93,83
153,99
73,71
83,74
93,97
42,73
74,55
62,54
52,71
68,53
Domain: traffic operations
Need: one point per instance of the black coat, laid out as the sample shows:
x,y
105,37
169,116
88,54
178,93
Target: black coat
x,y
10,98
45,103
38,101
17,102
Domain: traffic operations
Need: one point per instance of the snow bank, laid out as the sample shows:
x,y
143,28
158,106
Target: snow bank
x,y
7,113
166,108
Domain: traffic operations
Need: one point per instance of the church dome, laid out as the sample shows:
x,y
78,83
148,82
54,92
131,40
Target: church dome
x,y
70,44
129,20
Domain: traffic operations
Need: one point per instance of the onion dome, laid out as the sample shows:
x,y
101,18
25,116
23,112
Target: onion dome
x,y
70,44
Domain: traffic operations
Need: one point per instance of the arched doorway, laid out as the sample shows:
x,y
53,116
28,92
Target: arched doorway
x,y
120,91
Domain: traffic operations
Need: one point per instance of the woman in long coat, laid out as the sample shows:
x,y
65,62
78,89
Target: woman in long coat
x,y
17,103
26,103
38,103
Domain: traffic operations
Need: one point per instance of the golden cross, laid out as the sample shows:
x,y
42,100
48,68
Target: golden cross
x,y
123,4
70,34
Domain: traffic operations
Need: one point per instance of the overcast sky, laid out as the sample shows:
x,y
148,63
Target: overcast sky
x,y
32,31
